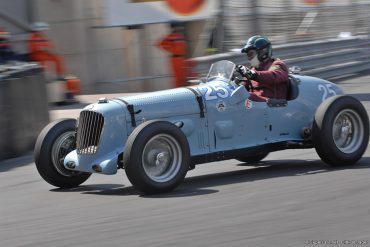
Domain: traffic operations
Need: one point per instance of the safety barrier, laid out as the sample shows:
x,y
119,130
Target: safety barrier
x,y
326,59
23,109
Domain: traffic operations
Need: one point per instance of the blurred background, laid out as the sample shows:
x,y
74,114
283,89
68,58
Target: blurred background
x,y
111,46
105,42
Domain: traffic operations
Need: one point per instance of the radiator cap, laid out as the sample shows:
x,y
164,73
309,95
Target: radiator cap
x,y
103,100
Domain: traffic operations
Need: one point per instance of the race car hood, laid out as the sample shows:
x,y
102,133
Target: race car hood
x,y
104,127
162,104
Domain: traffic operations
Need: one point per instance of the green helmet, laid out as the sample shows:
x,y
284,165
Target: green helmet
x,y
261,44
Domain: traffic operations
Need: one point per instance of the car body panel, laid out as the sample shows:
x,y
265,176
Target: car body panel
x,y
216,117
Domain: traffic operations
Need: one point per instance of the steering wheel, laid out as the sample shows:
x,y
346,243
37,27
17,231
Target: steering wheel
x,y
246,82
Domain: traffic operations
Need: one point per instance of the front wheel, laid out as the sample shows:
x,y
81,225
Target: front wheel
x,y
156,156
340,130
55,141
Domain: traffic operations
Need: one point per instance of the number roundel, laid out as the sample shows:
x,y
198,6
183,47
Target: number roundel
x,y
214,92
327,91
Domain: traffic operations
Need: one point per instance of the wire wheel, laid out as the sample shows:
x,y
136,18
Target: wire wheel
x,y
54,142
63,145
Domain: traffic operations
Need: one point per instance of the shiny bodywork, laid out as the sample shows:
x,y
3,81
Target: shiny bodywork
x,y
228,120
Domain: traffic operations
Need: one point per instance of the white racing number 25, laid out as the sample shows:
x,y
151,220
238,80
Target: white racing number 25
x,y
214,92
326,90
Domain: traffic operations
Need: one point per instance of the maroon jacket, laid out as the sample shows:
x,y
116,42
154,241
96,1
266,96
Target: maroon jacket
x,y
271,80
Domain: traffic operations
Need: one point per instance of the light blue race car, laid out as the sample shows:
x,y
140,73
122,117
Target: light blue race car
x,y
157,137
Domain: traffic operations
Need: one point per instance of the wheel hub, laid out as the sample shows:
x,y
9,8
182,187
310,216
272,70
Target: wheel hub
x,y
62,146
348,131
161,158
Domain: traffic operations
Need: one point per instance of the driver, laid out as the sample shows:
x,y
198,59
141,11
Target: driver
x,y
268,76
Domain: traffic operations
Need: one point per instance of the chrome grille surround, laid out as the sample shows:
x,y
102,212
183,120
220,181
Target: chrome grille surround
x,y
89,129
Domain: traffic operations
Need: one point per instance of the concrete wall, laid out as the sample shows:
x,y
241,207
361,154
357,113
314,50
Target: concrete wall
x,y
118,59
121,59
24,111
70,23
20,11
104,57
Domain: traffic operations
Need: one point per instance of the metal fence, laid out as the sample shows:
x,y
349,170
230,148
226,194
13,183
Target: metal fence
x,y
327,59
286,21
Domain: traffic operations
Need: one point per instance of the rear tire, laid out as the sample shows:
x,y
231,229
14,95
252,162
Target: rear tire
x,y
340,130
55,141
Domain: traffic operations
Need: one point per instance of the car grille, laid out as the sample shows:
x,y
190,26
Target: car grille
x,y
90,126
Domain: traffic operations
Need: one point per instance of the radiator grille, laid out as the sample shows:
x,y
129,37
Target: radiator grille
x,y
90,126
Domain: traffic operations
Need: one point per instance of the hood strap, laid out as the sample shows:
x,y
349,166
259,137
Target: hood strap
x,y
131,110
199,98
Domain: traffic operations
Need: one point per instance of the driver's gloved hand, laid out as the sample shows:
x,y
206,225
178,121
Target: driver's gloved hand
x,y
245,71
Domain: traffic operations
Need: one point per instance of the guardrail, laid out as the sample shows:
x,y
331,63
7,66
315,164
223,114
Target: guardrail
x,y
326,59
23,109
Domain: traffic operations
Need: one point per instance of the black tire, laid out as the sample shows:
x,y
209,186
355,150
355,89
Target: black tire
x,y
340,131
252,159
55,141
160,142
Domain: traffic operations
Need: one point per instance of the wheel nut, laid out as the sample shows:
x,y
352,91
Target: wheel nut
x,y
71,164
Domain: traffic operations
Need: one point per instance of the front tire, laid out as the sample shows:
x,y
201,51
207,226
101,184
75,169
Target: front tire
x,y
156,157
340,130
55,141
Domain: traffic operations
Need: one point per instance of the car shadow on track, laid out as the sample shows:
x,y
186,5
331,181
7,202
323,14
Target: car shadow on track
x,y
202,185
121,190
101,189
263,170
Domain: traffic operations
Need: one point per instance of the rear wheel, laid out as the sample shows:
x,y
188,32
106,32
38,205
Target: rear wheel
x,y
156,156
55,141
340,130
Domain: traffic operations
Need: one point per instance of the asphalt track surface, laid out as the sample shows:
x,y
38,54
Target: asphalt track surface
x,y
289,199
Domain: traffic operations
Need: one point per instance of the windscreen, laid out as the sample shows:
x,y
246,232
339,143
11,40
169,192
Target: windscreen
x,y
221,70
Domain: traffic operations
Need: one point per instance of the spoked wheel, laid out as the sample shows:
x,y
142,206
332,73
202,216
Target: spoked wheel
x,y
341,130
61,147
156,156
55,141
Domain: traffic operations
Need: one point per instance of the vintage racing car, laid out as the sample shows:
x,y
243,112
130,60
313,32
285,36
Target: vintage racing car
x,y
157,137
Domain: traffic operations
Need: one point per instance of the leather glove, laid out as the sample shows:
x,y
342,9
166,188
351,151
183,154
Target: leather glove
x,y
245,71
